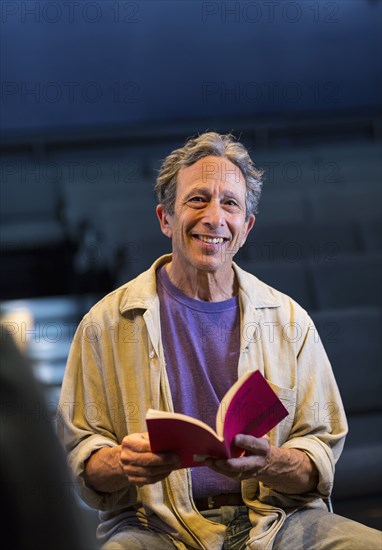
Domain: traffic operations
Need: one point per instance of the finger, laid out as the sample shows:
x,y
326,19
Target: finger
x,y
140,481
253,445
237,468
143,476
138,442
149,459
136,449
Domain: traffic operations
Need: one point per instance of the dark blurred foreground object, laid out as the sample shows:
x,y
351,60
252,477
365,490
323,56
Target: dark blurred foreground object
x,y
39,508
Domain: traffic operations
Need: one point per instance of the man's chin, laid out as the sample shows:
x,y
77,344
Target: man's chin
x,y
212,265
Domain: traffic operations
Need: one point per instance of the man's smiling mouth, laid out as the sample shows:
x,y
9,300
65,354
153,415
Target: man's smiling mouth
x,y
210,240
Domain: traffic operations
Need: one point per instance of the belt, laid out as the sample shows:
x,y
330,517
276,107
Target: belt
x,y
208,503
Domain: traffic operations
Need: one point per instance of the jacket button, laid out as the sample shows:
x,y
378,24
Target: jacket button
x,y
151,354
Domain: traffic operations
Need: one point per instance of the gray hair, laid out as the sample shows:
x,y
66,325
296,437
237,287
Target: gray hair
x,y
208,144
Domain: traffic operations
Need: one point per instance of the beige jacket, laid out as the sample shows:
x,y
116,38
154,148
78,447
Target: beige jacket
x,y
116,371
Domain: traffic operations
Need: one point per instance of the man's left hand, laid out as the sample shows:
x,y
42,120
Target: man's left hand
x,y
255,459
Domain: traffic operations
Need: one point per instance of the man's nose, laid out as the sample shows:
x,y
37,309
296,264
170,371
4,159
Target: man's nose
x,y
213,214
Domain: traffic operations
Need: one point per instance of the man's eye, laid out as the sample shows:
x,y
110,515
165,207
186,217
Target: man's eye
x,y
196,199
231,202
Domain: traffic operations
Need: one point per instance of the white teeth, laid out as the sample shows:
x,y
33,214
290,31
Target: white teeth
x,y
211,240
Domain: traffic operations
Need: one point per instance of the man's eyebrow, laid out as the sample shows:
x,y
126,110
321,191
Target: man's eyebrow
x,y
198,189
206,191
231,195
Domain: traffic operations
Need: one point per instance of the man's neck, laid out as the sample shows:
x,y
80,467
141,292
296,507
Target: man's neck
x,y
203,285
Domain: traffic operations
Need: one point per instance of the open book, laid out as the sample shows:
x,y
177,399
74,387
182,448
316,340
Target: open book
x,y
249,407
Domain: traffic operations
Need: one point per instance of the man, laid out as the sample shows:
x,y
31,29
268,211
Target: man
x,y
176,338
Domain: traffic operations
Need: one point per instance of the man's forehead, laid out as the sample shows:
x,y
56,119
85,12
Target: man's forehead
x,y
213,168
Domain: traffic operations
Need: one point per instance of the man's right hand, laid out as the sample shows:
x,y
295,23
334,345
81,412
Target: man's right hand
x,y
112,468
140,465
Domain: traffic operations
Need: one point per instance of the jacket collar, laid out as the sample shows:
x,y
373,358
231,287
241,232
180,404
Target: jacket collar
x,y
140,293
259,294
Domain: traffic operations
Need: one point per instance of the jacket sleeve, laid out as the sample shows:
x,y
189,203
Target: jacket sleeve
x,y
319,426
85,420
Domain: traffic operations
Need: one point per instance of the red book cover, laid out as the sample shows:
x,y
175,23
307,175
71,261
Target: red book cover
x,y
249,407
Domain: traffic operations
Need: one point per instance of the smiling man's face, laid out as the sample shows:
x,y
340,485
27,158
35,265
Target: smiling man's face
x,y
208,225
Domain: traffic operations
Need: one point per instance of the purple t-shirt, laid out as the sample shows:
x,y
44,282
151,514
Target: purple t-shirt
x,y
201,342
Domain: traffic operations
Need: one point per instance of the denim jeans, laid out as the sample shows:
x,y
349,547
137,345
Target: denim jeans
x,y
308,529
135,538
237,522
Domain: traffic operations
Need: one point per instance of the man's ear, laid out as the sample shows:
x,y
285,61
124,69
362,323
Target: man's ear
x,y
250,224
164,221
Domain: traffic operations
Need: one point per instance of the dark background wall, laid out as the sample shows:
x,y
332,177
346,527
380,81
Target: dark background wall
x,y
70,65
